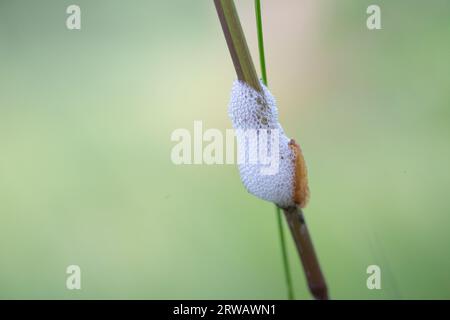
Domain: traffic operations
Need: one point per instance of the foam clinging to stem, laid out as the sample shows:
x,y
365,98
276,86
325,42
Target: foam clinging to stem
x,y
278,181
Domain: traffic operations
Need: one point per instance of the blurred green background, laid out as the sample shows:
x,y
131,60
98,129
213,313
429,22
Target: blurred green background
x,y
85,170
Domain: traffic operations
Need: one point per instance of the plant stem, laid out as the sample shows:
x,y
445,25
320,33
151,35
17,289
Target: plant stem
x,y
262,62
305,248
287,271
262,59
246,72
232,29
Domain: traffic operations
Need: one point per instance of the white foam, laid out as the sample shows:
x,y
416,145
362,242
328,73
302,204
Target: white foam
x,y
251,110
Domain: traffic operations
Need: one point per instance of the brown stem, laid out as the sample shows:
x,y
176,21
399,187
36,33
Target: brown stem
x,y
246,72
232,29
305,248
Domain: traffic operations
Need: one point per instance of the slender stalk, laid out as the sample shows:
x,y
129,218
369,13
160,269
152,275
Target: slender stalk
x,y
262,62
262,59
245,71
287,271
232,29
305,248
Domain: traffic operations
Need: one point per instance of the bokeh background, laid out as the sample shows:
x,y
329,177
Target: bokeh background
x,y
85,170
